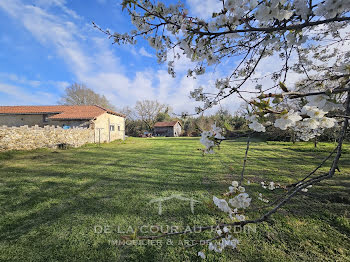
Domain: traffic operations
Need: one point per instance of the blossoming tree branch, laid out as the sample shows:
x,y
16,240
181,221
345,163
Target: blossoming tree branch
x,y
311,40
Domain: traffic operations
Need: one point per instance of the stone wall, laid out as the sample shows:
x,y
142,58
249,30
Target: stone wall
x,y
27,138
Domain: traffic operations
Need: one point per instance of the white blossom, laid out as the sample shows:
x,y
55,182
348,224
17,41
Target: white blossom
x,y
194,39
306,189
301,8
228,241
317,100
260,197
201,254
330,106
311,123
271,186
326,122
208,138
256,126
235,183
211,246
241,189
313,111
240,217
242,200
283,14
217,131
207,141
232,189
222,204
287,120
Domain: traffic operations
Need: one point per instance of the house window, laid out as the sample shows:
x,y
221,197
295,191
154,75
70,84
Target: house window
x,y
111,128
45,118
118,128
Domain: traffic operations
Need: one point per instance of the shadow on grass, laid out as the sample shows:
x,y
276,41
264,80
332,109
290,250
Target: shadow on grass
x,y
43,193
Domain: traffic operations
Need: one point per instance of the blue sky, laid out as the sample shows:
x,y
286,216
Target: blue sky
x,y
46,45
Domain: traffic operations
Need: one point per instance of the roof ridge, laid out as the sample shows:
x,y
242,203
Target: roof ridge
x,y
71,111
110,111
106,109
167,123
43,105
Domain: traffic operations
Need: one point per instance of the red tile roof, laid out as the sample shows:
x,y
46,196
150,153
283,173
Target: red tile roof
x,y
166,124
61,112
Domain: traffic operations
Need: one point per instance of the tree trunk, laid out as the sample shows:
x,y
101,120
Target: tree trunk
x,y
315,142
293,137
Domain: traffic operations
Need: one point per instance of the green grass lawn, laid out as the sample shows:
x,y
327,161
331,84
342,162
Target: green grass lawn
x,y
50,201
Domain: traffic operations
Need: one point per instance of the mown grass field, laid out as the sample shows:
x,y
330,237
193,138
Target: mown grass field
x,y
50,201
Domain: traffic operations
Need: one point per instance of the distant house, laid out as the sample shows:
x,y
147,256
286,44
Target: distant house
x,y
108,125
172,128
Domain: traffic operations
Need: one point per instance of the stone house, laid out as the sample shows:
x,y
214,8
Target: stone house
x,y
107,124
172,128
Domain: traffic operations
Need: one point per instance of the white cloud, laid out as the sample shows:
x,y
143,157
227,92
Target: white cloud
x,y
14,89
51,31
182,63
59,85
144,52
22,96
92,60
204,8
59,3
19,79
